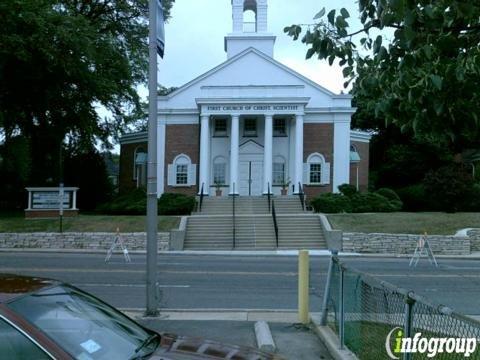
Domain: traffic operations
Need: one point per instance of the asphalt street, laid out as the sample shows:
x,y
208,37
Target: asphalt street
x,y
241,282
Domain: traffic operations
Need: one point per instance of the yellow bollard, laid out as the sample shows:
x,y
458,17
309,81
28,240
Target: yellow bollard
x,y
303,276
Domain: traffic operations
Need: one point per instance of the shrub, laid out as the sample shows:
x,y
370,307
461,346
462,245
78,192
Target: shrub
x,y
132,203
135,203
450,187
347,190
176,204
331,203
370,202
388,193
357,203
414,198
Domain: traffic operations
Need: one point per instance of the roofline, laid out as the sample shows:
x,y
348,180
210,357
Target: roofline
x,y
362,136
133,137
266,57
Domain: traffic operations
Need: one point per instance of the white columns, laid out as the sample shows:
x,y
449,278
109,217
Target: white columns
x,y
234,148
268,155
204,155
341,151
298,152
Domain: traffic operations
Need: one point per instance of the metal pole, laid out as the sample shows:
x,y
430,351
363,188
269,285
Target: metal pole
x,y
152,211
326,294
60,187
342,309
409,302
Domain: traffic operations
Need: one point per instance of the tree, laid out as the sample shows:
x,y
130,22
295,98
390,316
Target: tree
x,y
425,80
62,60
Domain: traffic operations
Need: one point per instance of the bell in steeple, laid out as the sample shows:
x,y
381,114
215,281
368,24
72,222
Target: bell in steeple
x,y
249,28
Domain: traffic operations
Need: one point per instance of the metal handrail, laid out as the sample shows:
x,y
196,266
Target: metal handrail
x,y
201,198
269,198
275,225
233,217
301,194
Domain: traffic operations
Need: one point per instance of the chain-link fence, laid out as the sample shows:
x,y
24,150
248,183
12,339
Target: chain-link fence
x,y
363,311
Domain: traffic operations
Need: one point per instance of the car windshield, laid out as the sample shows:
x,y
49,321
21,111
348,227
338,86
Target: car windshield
x,y
85,327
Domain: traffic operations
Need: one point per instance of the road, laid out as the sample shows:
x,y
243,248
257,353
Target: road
x,y
241,282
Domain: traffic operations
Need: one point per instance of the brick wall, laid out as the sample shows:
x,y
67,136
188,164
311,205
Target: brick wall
x,y
72,241
318,138
182,139
127,152
363,166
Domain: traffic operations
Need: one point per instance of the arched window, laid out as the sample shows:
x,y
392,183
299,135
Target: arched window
x,y
354,154
182,172
140,166
316,170
250,16
219,170
279,170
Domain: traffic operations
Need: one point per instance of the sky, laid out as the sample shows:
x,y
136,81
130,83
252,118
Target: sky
x,y
194,38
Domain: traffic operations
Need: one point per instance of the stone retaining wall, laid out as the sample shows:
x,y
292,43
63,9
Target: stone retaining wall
x,y
404,243
474,235
84,241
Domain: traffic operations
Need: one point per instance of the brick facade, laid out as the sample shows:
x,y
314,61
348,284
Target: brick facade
x,y
127,153
363,166
182,139
318,138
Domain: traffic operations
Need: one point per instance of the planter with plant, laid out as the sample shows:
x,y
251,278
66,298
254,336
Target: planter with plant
x,y
218,188
285,186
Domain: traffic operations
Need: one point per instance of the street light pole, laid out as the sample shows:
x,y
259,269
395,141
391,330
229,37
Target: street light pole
x,y
152,211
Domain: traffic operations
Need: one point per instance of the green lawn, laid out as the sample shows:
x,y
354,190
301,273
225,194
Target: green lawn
x,y
405,223
83,223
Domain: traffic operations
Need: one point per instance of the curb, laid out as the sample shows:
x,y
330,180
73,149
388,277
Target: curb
x,y
264,337
330,340
251,315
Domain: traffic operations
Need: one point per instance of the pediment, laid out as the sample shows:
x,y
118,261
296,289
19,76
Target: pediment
x,y
251,147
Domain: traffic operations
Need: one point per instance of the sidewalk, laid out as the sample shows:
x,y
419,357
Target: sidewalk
x,y
293,342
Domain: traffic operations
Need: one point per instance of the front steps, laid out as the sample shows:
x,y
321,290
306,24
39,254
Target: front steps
x,y
212,228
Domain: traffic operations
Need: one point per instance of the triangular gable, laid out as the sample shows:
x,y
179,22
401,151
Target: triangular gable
x,y
241,55
251,147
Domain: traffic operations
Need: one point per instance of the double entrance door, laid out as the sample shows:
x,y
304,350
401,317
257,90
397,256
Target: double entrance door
x,y
250,177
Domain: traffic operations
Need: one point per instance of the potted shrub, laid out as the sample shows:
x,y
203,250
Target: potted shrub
x,y
285,186
218,189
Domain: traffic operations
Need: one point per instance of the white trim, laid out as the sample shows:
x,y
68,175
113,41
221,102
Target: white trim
x,y
133,138
265,57
360,136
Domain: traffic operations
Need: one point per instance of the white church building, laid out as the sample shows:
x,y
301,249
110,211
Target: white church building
x,y
251,126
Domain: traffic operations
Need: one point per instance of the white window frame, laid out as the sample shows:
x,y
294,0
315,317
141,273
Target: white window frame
x,y
250,133
222,133
318,160
279,160
220,160
182,161
282,133
135,166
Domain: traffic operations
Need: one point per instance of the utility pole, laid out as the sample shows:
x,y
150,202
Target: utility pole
x,y
152,211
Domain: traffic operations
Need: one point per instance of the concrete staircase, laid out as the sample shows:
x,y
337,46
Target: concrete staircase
x,y
244,205
215,232
287,205
212,228
302,231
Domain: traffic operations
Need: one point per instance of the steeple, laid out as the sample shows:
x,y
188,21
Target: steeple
x,y
250,28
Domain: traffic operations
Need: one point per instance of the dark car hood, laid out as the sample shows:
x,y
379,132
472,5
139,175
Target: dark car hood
x,y
181,347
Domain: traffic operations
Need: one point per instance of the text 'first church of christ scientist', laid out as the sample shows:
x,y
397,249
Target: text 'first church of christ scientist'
x,y
249,125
